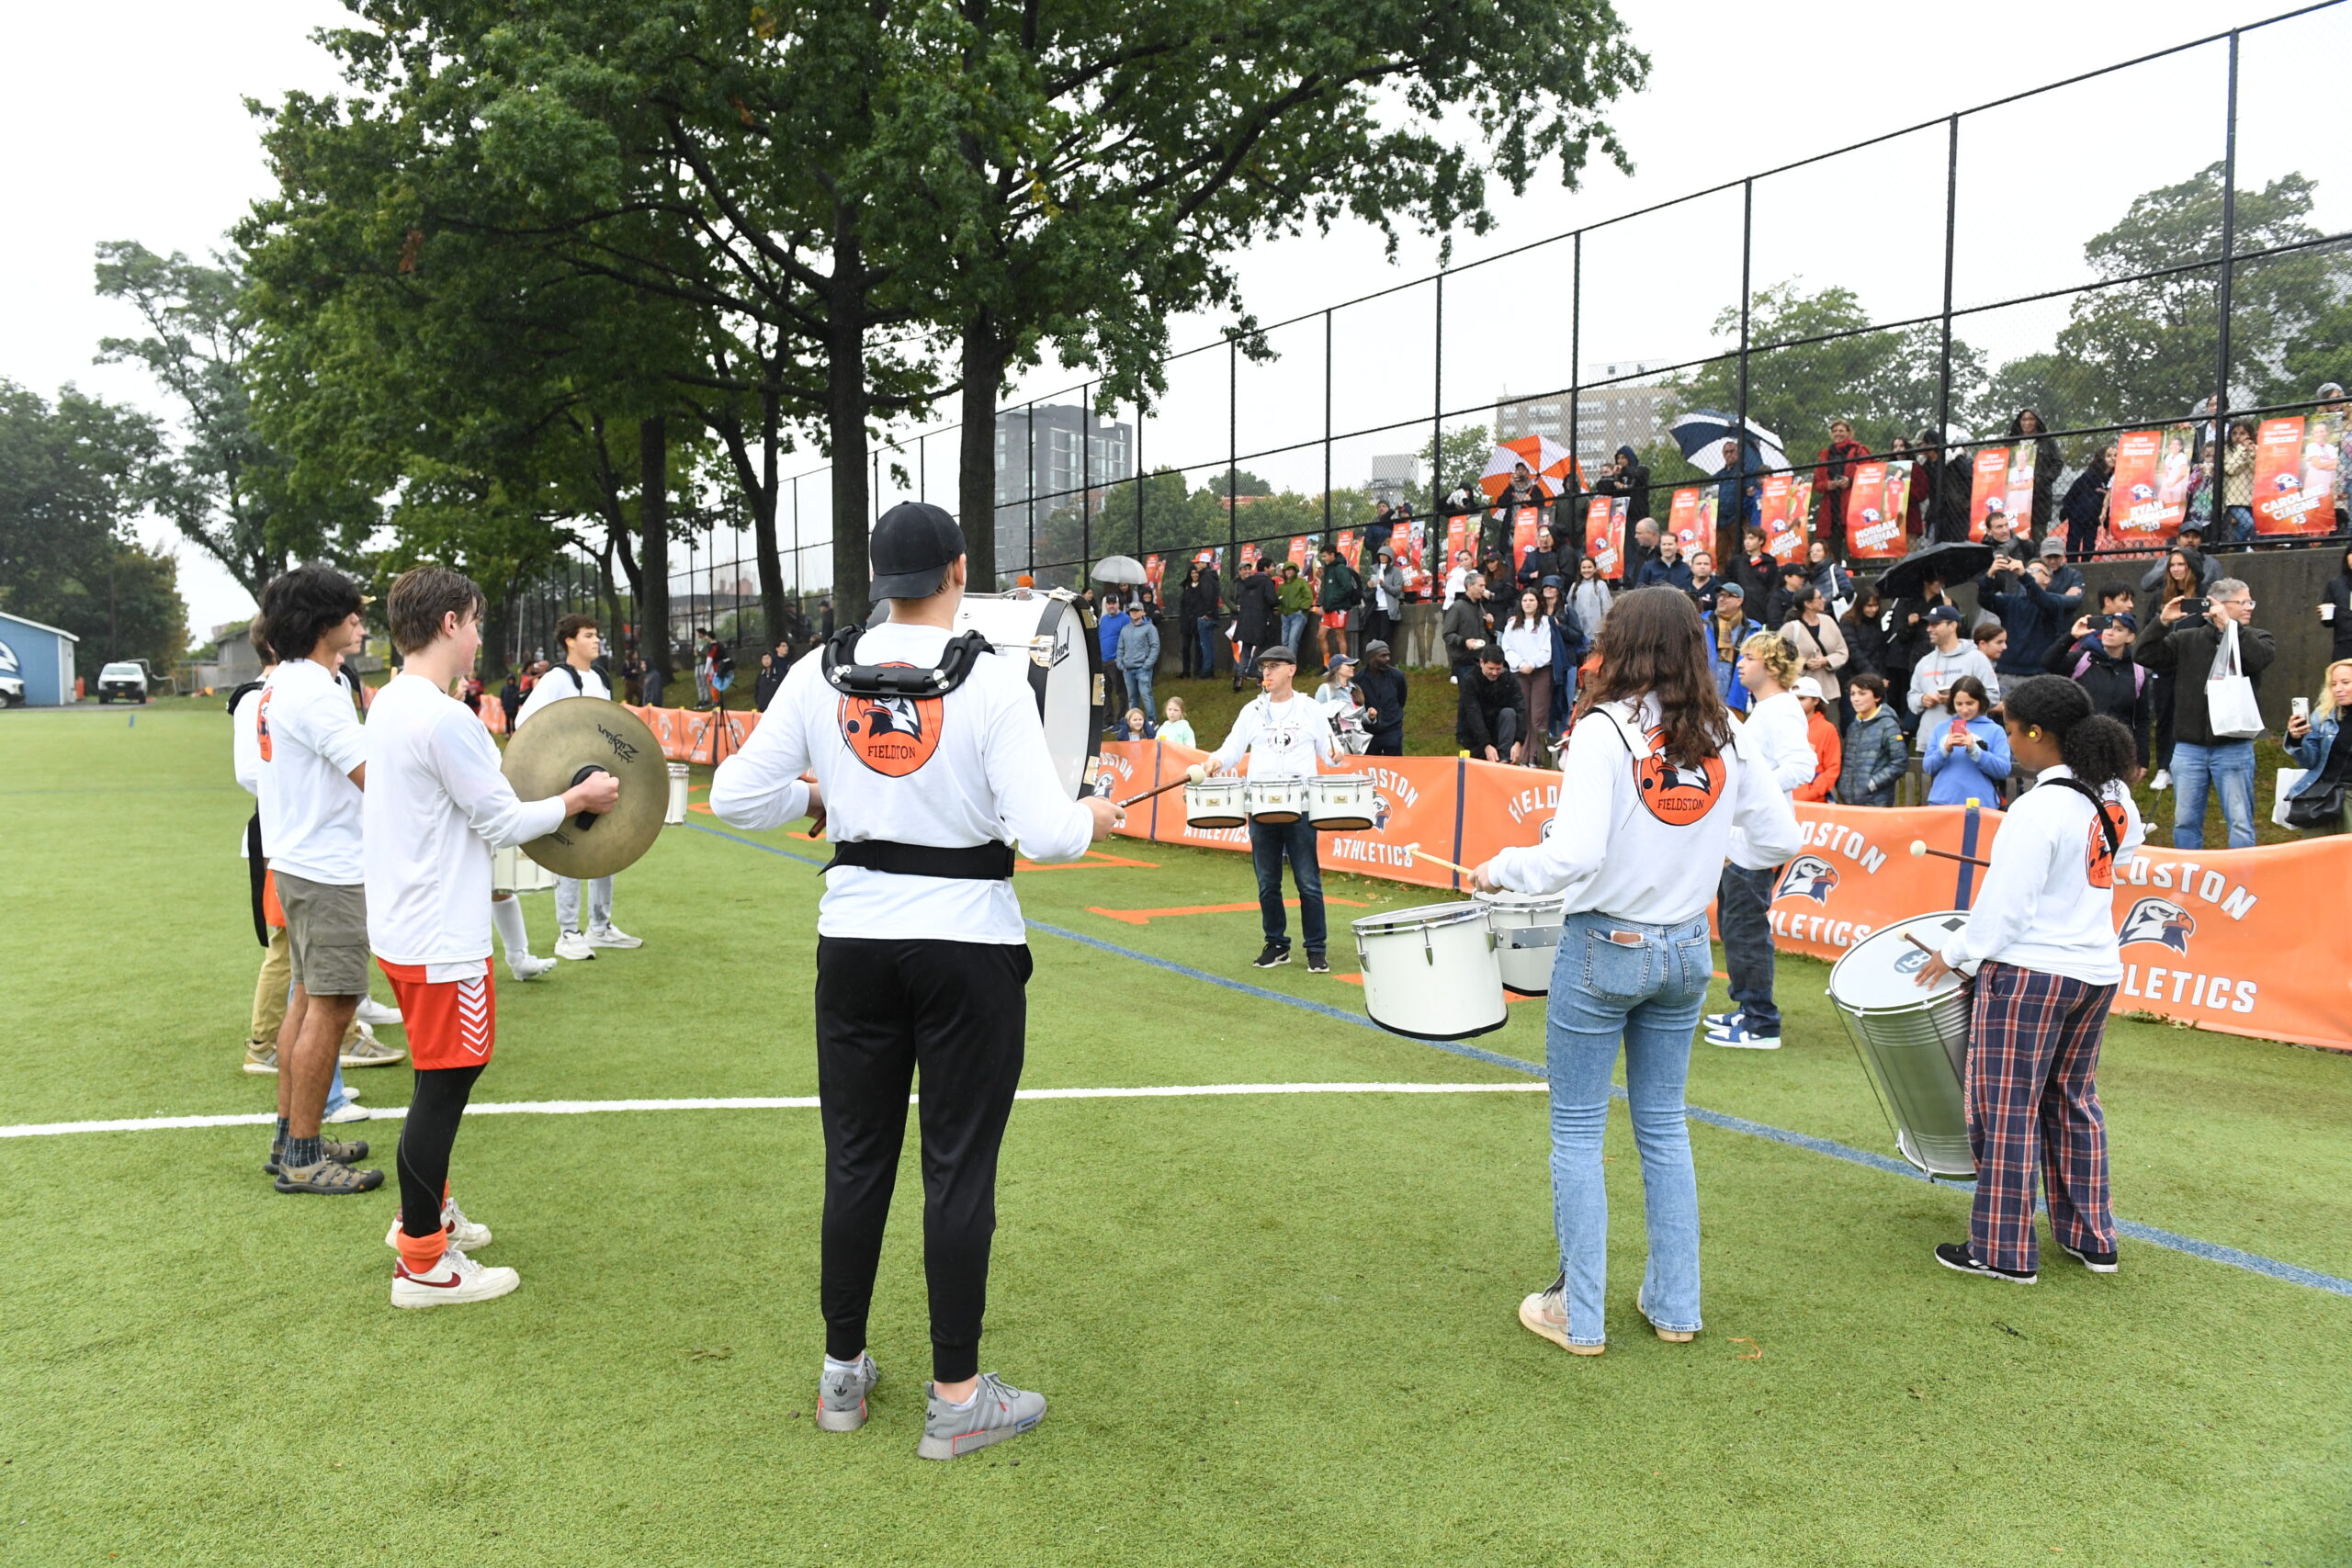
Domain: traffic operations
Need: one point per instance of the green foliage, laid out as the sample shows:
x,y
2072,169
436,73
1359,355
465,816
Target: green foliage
x,y
72,475
1457,457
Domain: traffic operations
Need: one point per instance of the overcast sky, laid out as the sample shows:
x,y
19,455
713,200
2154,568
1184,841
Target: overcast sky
x,y
129,122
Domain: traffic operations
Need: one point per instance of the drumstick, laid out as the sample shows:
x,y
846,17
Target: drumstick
x,y
1192,774
1921,945
1920,847
1434,860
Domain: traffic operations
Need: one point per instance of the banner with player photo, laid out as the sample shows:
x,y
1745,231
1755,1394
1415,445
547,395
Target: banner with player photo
x,y
1683,519
2294,478
1784,510
1875,503
2148,499
1989,488
1604,534
1348,545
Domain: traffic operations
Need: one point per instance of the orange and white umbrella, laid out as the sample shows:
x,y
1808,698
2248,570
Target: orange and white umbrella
x,y
1546,458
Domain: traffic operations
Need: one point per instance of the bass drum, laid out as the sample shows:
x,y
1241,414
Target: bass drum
x,y
1052,638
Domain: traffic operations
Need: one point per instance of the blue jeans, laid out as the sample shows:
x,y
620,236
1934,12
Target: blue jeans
x,y
1268,843
1742,908
1204,629
2241,527
2227,766
1138,691
1649,994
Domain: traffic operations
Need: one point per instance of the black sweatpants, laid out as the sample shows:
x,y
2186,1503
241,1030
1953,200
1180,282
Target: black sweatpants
x,y
426,1136
957,1011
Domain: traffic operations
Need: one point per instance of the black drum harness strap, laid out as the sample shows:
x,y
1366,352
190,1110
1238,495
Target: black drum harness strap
x,y
972,862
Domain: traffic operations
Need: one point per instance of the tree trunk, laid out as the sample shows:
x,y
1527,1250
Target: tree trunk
x,y
609,590
846,407
653,557
984,358
763,507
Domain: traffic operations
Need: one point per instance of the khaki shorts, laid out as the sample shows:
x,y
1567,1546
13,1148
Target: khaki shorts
x,y
326,934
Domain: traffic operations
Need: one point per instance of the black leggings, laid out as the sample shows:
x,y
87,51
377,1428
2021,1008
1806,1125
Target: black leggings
x,y
957,1010
433,1107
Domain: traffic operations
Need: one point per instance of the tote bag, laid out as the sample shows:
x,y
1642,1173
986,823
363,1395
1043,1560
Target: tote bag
x,y
2232,713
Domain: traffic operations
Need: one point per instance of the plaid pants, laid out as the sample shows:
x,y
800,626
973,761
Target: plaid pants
x,y
2033,1101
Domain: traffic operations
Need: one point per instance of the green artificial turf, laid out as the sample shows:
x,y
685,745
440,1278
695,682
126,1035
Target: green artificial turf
x,y
1274,1329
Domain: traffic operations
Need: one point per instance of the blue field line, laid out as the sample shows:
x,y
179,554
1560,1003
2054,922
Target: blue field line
x,y
2252,1262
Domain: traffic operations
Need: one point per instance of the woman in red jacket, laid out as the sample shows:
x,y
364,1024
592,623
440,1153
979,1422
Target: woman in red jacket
x,y
1833,482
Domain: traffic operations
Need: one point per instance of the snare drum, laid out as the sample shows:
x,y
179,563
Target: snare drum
x,y
511,871
1277,802
1913,1041
677,812
1526,937
1048,635
1214,803
1431,972
1341,802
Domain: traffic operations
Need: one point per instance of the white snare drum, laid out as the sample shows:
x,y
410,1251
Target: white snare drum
x,y
676,814
1341,802
511,871
1216,803
1912,1041
1276,801
1048,635
1526,937
1431,972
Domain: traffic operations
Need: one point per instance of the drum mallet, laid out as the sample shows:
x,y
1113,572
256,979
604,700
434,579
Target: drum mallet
x,y
1919,848
1191,775
1434,860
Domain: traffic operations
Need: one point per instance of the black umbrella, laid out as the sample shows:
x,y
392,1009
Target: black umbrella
x,y
1955,561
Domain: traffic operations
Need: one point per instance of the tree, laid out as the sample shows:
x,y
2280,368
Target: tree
x,y
1457,457
72,475
1107,158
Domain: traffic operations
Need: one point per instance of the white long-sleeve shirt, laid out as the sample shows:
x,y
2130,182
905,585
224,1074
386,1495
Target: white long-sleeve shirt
x,y
1525,644
1638,840
244,753
1774,733
971,767
1285,740
436,805
556,685
2048,901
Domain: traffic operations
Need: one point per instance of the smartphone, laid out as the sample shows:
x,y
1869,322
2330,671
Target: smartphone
x,y
2100,623
2300,708
2195,606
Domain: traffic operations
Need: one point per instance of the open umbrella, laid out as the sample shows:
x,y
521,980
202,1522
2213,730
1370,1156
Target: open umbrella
x,y
1120,568
1955,561
1700,434
1546,458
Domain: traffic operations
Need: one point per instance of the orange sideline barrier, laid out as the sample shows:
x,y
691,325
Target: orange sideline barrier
x,y
686,734
2228,940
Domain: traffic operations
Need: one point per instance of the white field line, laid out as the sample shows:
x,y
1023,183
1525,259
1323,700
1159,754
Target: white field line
x,y
767,1102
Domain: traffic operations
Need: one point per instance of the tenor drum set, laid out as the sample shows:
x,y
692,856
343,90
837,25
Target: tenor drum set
x,y
1448,971
1335,802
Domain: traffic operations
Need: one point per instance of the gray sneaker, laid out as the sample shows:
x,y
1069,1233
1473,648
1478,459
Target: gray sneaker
x,y
840,1396
998,1411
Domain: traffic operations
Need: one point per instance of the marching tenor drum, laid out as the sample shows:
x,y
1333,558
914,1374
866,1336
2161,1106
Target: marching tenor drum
x,y
1216,803
1913,1041
1526,937
1431,972
1047,635
1341,802
511,871
1277,802
676,814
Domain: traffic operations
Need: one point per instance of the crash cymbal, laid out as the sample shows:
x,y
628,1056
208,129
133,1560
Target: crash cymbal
x,y
551,752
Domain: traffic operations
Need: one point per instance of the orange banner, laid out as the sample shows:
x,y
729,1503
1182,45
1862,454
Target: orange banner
x,y
1782,510
1458,531
2149,496
1875,510
1989,488
2294,478
1523,522
1604,534
1347,544
1682,521
2218,938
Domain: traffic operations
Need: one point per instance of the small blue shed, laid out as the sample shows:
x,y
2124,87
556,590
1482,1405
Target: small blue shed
x,y
42,657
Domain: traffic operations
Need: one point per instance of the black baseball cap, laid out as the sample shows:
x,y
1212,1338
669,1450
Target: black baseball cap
x,y
911,549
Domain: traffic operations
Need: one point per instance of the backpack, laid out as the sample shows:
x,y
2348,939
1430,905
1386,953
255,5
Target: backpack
x,y
722,658
2139,674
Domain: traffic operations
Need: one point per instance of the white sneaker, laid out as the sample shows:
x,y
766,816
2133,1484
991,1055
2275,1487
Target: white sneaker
x,y
530,966
372,1012
465,1235
455,1279
2163,781
350,1112
572,944
613,936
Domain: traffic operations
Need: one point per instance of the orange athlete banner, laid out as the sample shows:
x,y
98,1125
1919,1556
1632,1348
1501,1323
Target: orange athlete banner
x,y
2220,939
1604,534
2019,501
1683,521
1781,510
2294,478
1989,488
1874,507
1345,542
1523,522
1302,553
1458,529
1155,570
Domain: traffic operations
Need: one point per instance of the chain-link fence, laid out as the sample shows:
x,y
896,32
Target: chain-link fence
x,y
2145,255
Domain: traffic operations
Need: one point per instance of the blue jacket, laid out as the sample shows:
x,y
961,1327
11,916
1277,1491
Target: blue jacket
x,y
1735,695
1138,645
2311,752
1739,493
1657,574
1108,631
1957,777
2036,616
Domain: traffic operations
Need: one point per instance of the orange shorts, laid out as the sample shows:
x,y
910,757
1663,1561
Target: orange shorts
x,y
449,1023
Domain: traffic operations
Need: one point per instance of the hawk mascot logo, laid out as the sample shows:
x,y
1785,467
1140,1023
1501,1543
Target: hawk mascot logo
x,y
893,736
2159,921
1808,876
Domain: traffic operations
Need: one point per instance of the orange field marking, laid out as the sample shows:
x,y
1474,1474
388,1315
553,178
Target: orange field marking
x,y
1093,857
1144,917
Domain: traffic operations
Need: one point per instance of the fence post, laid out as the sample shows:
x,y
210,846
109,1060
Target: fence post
x,y
1437,405
1326,425
1086,484
1952,243
1576,378
1232,450
1032,488
1739,415
1138,476
2221,430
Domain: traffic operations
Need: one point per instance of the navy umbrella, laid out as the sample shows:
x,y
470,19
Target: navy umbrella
x,y
1954,561
1700,434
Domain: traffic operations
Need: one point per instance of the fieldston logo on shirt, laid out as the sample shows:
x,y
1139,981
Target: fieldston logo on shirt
x,y
1808,876
1677,796
893,736
2159,921
2100,866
